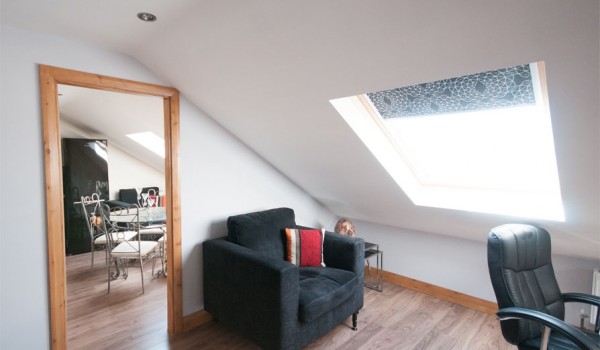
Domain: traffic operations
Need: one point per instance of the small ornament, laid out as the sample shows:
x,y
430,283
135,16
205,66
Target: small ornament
x,y
345,227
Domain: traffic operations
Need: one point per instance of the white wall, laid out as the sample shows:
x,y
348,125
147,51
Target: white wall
x,y
125,171
461,265
219,177
223,179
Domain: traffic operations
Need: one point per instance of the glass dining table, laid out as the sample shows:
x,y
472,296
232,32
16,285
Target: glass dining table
x,y
147,216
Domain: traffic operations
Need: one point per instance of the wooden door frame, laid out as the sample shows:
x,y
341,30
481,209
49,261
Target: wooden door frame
x,y
50,77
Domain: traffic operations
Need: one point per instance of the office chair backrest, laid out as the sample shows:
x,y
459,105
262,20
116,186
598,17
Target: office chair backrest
x,y
520,265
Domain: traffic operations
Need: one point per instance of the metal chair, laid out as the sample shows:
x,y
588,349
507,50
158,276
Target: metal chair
x,y
93,219
125,251
160,231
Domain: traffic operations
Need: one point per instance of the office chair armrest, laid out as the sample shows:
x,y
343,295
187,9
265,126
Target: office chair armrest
x,y
581,298
573,334
586,299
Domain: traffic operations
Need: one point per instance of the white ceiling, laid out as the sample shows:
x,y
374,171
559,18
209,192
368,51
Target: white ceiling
x,y
266,70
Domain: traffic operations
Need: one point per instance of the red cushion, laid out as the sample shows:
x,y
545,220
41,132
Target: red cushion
x,y
305,247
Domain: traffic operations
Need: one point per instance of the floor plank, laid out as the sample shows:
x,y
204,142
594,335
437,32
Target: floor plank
x,y
396,318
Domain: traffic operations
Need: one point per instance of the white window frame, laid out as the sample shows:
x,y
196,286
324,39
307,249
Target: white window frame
x,y
520,201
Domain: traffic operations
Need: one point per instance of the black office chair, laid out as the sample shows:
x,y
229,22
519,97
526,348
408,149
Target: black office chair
x,y
531,304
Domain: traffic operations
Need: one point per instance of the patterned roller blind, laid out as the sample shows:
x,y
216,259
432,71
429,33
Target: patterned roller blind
x,y
500,88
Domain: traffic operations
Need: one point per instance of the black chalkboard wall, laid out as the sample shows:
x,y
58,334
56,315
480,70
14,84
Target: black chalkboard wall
x,y
85,171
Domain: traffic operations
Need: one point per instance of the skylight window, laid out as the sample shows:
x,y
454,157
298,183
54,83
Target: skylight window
x,y
150,141
481,142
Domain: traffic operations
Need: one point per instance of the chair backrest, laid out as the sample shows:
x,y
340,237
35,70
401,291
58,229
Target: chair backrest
x,y
87,203
263,231
92,216
520,266
102,224
129,216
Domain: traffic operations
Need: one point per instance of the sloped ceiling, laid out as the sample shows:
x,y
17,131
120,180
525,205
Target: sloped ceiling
x,y
90,113
266,70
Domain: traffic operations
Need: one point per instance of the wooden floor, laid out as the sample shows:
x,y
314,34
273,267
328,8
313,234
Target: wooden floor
x,y
123,319
397,318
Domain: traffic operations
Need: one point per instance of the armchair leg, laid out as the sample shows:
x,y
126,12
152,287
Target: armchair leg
x,y
355,321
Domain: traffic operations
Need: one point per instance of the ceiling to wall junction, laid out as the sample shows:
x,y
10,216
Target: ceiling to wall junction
x,y
266,71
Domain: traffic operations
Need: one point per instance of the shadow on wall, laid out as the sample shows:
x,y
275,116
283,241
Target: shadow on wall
x,y
217,229
194,260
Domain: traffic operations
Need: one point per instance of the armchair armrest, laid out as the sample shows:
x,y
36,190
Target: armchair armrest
x,y
237,278
575,335
586,299
344,252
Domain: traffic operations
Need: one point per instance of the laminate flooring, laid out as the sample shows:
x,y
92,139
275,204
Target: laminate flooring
x,y
396,318
123,319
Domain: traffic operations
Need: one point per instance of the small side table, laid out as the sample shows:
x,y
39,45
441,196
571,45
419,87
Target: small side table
x,y
373,274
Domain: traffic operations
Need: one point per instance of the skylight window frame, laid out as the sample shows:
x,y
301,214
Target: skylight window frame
x,y
360,113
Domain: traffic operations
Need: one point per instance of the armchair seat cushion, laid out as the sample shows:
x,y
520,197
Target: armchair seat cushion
x,y
322,289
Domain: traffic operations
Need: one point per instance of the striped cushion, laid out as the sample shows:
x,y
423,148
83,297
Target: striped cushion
x,y
305,247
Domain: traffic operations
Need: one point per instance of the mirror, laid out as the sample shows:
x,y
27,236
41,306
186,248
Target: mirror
x,y
99,157
50,77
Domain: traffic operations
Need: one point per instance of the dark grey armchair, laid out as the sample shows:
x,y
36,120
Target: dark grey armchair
x,y
531,304
249,286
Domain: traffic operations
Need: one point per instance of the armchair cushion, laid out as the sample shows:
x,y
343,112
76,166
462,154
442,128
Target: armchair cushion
x,y
322,290
305,247
262,231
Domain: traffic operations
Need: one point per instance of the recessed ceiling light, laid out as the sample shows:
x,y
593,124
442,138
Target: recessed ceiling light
x,y
146,17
